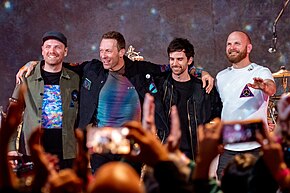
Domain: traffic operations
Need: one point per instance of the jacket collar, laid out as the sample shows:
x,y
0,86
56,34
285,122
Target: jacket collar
x,y
37,71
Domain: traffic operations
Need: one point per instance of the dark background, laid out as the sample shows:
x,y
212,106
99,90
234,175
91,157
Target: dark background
x,y
148,25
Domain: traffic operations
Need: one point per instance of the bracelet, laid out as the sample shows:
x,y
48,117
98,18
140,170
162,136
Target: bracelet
x,y
282,174
198,72
191,68
12,100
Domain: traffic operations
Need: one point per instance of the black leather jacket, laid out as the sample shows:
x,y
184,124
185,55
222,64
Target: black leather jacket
x,y
94,76
201,107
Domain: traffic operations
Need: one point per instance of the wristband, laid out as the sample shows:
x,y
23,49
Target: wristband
x,y
198,72
191,68
12,100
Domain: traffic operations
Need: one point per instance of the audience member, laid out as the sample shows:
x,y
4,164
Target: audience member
x,y
237,174
155,155
120,177
116,177
242,174
277,146
8,180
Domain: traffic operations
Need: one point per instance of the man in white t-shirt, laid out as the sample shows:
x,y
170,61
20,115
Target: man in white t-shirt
x,y
244,89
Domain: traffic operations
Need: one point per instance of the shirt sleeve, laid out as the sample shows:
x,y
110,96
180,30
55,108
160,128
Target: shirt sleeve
x,y
265,73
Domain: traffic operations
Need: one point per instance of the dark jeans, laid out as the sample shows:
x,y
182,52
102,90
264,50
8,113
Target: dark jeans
x,y
228,155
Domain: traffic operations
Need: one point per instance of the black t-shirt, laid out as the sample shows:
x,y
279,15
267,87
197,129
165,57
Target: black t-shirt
x,y
50,78
183,92
52,138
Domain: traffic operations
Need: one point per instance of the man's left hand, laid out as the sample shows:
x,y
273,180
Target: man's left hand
x,y
267,86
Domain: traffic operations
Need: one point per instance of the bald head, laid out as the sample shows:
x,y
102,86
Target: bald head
x,y
116,177
242,35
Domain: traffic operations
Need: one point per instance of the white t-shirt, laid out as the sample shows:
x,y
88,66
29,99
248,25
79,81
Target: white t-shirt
x,y
241,102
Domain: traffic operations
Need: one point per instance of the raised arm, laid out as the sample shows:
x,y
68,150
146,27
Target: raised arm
x,y
207,79
29,67
8,128
209,141
26,69
278,168
266,85
159,69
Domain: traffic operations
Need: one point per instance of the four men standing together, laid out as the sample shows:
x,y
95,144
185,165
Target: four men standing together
x,y
112,90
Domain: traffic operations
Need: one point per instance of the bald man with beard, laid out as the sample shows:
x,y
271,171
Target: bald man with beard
x,y
244,88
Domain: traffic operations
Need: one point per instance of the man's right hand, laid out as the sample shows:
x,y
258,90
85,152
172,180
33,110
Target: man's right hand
x,y
27,68
151,150
13,162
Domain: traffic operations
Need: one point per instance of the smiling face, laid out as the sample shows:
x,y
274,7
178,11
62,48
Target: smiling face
x,y
179,63
238,47
53,52
110,55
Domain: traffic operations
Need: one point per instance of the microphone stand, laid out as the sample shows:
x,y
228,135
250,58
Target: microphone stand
x,y
273,49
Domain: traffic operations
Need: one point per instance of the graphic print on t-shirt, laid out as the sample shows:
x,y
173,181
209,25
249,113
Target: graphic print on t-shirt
x,y
246,92
52,107
118,102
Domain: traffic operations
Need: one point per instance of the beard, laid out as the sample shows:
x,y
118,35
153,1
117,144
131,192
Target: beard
x,y
178,71
239,57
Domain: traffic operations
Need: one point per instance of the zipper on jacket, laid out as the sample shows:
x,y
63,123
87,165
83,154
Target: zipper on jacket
x,y
189,126
189,129
170,102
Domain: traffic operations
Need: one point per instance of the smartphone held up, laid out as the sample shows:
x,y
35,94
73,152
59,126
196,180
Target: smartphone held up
x,y
241,131
108,140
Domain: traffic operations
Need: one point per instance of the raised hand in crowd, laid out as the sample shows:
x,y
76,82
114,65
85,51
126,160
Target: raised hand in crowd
x,y
82,160
184,164
283,107
43,166
274,159
148,123
76,179
209,142
148,120
8,179
173,140
8,128
156,155
273,154
46,175
151,150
